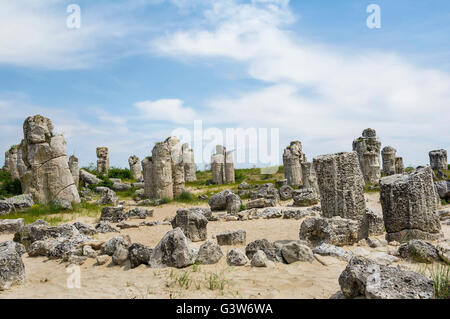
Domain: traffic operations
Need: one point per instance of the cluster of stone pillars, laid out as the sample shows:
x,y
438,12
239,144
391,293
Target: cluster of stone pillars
x,y
293,157
222,166
190,169
438,160
164,170
135,167
391,163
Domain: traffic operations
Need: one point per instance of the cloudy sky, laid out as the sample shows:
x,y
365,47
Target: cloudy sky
x,y
138,69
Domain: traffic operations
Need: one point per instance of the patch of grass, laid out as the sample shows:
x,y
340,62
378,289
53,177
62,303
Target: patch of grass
x,y
122,173
215,281
444,202
54,214
8,186
409,169
440,274
369,188
106,182
129,193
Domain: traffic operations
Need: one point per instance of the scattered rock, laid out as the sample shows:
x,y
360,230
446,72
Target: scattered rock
x,y
286,192
109,197
209,253
333,251
305,197
236,257
111,245
259,259
268,248
105,227
419,251
12,269
102,259
11,226
120,255
112,214
235,237
270,212
192,223
218,201
365,278
335,231
234,204
294,252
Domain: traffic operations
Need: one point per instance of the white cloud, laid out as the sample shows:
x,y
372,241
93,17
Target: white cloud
x,y
314,92
168,110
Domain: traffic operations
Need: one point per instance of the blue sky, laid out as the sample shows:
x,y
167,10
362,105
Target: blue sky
x,y
138,69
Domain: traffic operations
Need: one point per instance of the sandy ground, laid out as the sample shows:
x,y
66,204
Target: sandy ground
x,y
48,278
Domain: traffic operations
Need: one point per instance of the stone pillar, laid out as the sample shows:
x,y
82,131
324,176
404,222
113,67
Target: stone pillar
x,y
176,155
438,160
409,204
74,169
189,164
309,178
229,168
103,160
147,168
341,186
292,159
162,171
42,161
388,154
11,157
218,168
399,167
368,149
135,167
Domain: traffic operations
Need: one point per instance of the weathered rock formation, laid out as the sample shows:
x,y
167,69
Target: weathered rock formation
x,y
399,167
388,154
176,155
12,270
309,177
341,185
222,166
102,160
135,167
42,163
368,149
189,164
438,160
11,157
292,159
409,206
192,223
74,169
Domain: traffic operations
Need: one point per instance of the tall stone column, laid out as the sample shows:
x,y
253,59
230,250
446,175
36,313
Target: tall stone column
x,y
162,171
74,169
147,168
292,159
309,177
11,157
218,168
42,161
368,149
229,168
135,167
399,167
388,154
409,206
176,155
189,164
438,160
103,160
341,185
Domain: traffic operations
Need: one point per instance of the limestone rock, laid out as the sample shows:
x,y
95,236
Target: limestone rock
x,y
11,226
11,162
105,227
443,249
139,254
294,252
120,255
419,251
235,237
189,164
173,251
309,177
409,206
114,243
365,278
219,201
292,159
139,213
103,160
135,167
286,192
236,257
234,204
335,231
209,253
305,197
192,223
109,197
268,248
74,169
259,259
270,212
443,189
103,259
438,160
368,149
388,154
325,249
16,203
375,222
12,271
88,178
341,185
85,229
112,214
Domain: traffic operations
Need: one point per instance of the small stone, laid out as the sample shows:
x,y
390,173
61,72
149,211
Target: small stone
x,y
259,259
236,257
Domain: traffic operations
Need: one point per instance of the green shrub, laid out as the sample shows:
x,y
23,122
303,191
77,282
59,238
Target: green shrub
x,y
91,169
106,182
239,176
122,173
9,187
